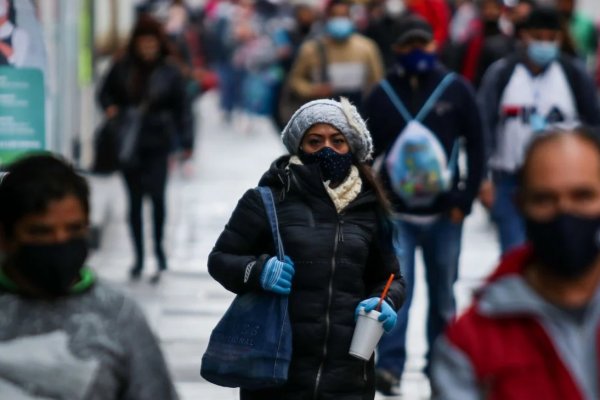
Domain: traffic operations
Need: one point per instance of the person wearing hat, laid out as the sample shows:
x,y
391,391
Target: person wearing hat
x,y
420,116
534,89
332,216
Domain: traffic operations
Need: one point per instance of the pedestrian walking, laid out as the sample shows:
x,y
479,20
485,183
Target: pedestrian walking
x,y
339,63
521,95
146,89
420,116
332,219
533,331
64,334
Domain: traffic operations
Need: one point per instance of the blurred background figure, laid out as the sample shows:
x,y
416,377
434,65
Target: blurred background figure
x,y
437,13
146,79
420,95
532,90
582,29
305,24
461,51
497,40
341,62
265,45
223,45
380,29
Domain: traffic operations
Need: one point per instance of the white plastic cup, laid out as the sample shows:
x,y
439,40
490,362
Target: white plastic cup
x,y
367,333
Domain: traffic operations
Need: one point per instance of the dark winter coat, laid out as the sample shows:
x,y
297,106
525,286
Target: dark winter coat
x,y
340,259
454,117
166,122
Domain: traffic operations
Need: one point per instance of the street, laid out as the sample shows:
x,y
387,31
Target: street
x,y
187,303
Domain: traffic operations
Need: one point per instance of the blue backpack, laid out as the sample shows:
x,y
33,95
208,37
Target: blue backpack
x,y
417,165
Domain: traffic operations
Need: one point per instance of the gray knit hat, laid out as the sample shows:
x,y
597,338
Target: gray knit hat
x,y
341,114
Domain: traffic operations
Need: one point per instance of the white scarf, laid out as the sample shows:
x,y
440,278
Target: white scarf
x,y
343,194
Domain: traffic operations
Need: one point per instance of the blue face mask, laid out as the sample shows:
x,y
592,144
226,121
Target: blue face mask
x,y
340,28
334,166
417,61
542,53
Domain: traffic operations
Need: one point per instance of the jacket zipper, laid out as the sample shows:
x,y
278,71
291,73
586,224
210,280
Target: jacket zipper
x,y
339,237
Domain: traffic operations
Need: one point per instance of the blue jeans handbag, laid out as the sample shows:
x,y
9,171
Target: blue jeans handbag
x,y
251,346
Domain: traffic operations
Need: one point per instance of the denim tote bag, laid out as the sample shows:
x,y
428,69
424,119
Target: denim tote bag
x,y
251,346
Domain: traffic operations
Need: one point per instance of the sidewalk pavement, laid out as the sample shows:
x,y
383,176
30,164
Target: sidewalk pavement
x,y
187,303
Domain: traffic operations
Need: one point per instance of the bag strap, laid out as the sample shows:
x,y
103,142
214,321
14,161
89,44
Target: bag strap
x,y
453,160
435,95
323,61
269,203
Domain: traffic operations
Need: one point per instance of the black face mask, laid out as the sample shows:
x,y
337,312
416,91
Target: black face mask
x,y
52,268
334,166
567,245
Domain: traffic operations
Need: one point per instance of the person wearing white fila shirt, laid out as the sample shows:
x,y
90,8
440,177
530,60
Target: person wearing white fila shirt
x,y
522,96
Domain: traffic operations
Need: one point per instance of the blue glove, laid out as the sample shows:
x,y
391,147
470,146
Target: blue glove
x,y
277,275
388,315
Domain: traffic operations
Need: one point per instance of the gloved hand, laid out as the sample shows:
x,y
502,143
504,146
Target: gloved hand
x,y
277,275
388,315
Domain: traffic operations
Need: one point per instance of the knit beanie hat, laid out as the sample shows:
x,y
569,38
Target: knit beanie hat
x,y
340,114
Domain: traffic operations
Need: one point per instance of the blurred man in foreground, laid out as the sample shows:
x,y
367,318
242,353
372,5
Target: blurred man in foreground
x,y
63,334
534,329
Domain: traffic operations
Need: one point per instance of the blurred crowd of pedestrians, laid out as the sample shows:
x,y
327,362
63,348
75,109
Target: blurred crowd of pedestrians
x,y
479,78
252,48
440,103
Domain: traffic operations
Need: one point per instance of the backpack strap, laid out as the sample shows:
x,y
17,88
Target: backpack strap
x,y
453,160
435,95
269,203
573,78
323,64
426,109
387,88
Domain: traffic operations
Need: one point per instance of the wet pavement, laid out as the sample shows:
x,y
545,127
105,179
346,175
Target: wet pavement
x,y
185,306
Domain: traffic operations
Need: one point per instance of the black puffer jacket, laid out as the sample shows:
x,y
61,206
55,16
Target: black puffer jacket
x,y
340,259
166,122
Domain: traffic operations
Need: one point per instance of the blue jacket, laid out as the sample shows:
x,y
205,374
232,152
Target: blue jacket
x,y
455,116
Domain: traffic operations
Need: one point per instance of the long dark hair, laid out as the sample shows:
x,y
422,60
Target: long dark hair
x,y
369,177
147,25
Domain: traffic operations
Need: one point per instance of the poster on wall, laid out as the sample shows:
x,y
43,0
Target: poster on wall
x,y
22,89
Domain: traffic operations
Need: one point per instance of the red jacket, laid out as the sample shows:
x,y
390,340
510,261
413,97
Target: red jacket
x,y
437,13
510,354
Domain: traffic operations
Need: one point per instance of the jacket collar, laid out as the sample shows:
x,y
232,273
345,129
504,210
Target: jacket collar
x,y
507,293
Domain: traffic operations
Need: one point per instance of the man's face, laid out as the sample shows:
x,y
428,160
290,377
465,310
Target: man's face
x,y
64,219
563,176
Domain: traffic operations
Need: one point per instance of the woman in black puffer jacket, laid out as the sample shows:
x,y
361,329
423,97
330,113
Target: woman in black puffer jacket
x,y
147,79
333,221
